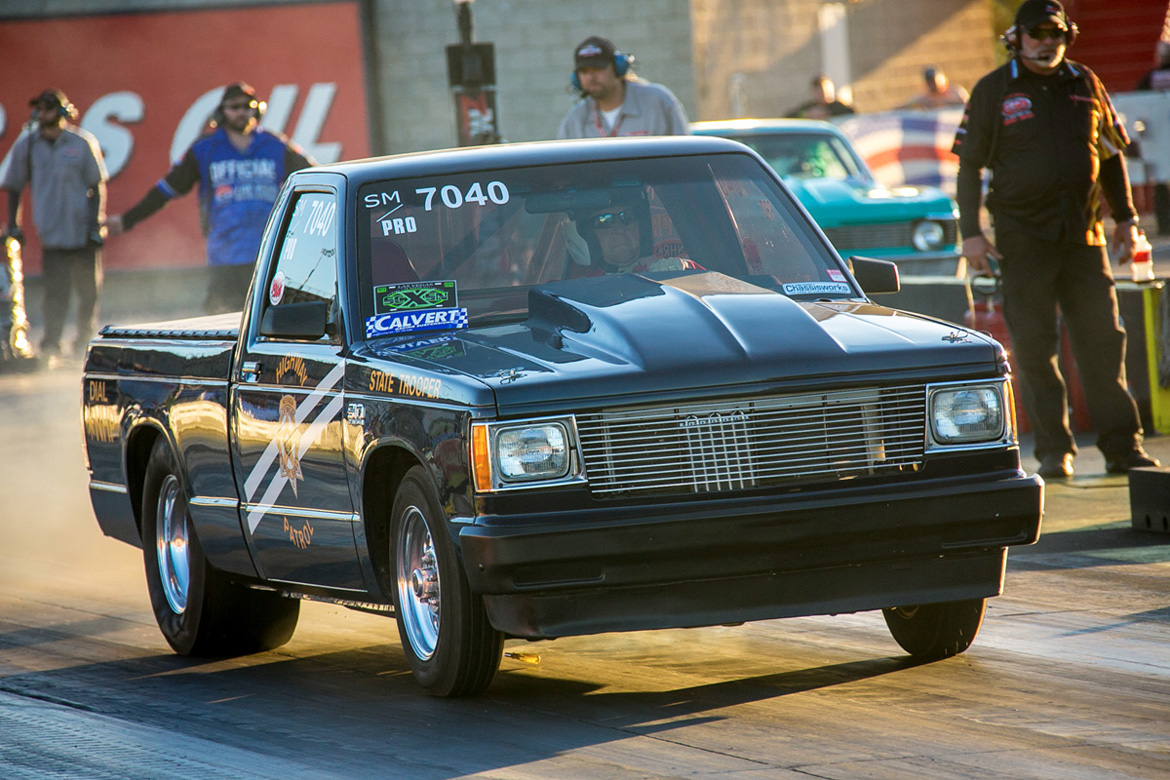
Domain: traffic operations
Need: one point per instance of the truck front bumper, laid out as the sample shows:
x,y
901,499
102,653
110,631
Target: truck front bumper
x,y
708,562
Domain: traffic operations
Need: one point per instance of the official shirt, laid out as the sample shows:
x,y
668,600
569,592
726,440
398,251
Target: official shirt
x,y
1044,138
236,189
64,172
649,109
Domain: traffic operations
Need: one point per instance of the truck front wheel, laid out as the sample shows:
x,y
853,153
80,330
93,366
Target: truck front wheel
x,y
933,631
199,612
451,647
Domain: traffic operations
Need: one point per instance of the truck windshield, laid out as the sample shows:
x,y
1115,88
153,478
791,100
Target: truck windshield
x,y
480,240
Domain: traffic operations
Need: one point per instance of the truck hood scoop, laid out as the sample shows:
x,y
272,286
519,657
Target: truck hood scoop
x,y
663,320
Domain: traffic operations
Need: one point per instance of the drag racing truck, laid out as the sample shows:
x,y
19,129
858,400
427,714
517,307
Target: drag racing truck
x,y
530,391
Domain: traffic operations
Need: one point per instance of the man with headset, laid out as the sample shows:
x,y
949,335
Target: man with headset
x,y
1046,128
613,101
63,166
240,168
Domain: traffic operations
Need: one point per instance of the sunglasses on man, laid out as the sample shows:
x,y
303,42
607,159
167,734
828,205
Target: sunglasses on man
x,y
611,219
1047,34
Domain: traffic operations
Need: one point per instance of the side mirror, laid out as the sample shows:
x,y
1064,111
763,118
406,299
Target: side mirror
x,y
875,276
307,320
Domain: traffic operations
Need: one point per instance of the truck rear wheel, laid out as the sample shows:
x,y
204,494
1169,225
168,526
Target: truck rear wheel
x,y
933,631
451,647
199,612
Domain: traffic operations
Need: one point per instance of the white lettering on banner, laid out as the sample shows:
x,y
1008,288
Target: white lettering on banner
x,y
312,119
8,154
192,124
116,141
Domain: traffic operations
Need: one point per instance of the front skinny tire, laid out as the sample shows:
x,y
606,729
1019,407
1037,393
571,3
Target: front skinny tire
x,y
451,647
933,631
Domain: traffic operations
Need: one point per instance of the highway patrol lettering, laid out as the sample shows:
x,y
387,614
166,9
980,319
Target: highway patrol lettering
x,y
292,364
300,537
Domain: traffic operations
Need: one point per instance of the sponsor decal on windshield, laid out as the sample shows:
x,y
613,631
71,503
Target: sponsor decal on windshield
x,y
414,296
394,323
817,288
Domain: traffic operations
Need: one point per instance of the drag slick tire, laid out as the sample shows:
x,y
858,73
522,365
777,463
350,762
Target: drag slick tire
x,y
451,647
933,631
200,612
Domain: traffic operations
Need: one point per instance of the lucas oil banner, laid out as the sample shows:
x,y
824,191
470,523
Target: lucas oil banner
x,y
146,83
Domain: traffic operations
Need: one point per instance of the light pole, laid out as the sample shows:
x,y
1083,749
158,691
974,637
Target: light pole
x,y
471,72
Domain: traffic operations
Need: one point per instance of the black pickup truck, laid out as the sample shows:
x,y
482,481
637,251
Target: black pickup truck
x,y
541,390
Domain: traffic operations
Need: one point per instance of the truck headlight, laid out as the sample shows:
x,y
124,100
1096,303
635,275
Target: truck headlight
x,y
506,455
928,236
966,414
532,452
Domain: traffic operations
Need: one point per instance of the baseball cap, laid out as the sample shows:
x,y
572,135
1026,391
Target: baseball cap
x,y
52,97
238,89
1035,12
594,52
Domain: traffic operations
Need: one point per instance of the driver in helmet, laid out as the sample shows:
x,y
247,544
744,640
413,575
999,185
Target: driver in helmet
x,y
618,239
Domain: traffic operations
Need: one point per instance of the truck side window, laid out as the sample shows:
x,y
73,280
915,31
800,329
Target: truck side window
x,y
306,265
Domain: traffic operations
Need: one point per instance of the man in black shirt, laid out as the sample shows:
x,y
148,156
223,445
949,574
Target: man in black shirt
x,y
1047,130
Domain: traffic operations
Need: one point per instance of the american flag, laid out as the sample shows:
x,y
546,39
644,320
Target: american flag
x,y
907,147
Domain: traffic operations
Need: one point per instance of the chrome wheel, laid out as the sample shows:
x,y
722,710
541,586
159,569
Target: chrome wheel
x,y
418,583
174,566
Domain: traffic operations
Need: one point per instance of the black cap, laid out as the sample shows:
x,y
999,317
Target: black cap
x,y
594,52
1036,12
236,90
50,97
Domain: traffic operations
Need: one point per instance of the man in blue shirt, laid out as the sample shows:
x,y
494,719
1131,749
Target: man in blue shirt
x,y
239,168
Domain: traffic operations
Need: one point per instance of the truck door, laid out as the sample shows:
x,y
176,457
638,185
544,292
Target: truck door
x,y
288,406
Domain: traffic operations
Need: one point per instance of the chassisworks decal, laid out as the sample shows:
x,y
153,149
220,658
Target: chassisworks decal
x,y
817,288
411,322
412,296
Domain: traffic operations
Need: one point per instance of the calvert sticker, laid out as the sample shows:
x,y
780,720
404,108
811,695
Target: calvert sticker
x,y
412,296
412,322
817,288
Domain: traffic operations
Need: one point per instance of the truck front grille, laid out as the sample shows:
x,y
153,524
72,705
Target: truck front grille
x,y
740,444
888,236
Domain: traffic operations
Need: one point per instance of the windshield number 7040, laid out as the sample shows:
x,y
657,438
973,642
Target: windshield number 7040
x,y
452,197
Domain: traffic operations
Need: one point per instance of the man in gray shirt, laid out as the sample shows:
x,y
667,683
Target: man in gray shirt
x,y
613,101
64,167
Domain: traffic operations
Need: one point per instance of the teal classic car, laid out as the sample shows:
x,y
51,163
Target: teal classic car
x,y
916,227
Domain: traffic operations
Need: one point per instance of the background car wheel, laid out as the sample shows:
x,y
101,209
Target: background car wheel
x,y
199,612
451,647
933,631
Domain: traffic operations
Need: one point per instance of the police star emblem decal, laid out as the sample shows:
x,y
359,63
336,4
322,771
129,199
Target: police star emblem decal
x,y
290,441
